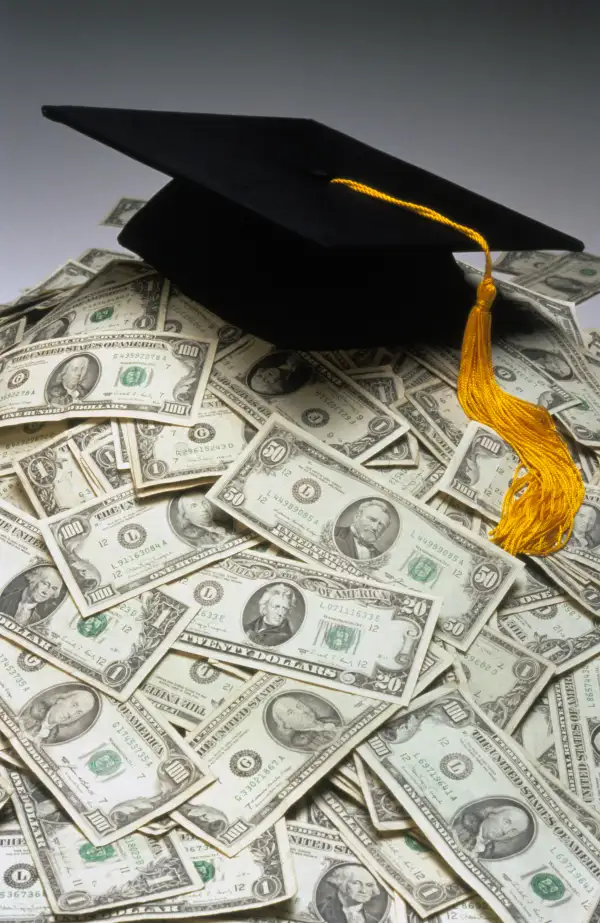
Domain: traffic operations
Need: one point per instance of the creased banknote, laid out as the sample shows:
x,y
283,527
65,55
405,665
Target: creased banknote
x,y
493,818
267,745
318,505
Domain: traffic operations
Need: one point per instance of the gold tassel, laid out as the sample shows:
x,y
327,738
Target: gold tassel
x,y
547,490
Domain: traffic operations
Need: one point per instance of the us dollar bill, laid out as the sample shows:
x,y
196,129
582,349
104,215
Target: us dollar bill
x,y
112,766
152,376
428,435
118,546
473,910
381,381
170,455
406,864
186,689
436,662
52,477
332,881
420,482
480,471
514,372
13,495
122,211
580,583
503,676
283,617
386,814
191,319
69,275
23,897
96,258
18,440
113,650
492,805
521,263
438,402
256,379
562,632
573,278
138,304
318,505
583,548
531,589
11,333
576,714
80,878
538,733
99,462
267,745
404,453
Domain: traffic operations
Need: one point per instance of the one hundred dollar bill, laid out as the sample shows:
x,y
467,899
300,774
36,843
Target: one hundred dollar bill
x,y
113,767
138,304
287,618
318,505
257,380
186,689
267,745
18,440
333,882
80,878
118,546
386,814
503,676
576,715
113,650
151,376
52,477
122,211
490,814
406,864
170,455
191,319
480,471
562,632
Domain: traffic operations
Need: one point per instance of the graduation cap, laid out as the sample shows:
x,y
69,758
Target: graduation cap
x,y
312,239
251,226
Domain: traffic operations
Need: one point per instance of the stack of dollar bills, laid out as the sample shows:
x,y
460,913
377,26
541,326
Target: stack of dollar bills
x,y
259,659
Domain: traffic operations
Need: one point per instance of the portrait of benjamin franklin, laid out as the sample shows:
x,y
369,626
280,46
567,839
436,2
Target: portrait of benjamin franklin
x,y
33,595
196,521
349,893
72,380
273,614
302,721
366,529
494,828
279,372
60,714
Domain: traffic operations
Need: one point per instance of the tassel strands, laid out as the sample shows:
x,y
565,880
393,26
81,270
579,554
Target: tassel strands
x,y
547,490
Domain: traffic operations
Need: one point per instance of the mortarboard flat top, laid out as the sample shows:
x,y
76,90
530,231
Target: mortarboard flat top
x,y
251,226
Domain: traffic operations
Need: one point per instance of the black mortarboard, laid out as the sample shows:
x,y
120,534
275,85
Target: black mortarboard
x,y
251,227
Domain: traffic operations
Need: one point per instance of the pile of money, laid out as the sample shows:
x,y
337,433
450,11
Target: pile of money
x,y
259,658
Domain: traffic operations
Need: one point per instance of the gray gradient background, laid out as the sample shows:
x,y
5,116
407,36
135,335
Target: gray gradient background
x,y
501,97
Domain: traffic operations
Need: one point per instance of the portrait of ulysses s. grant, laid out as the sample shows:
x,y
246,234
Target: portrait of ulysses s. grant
x,y
366,529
